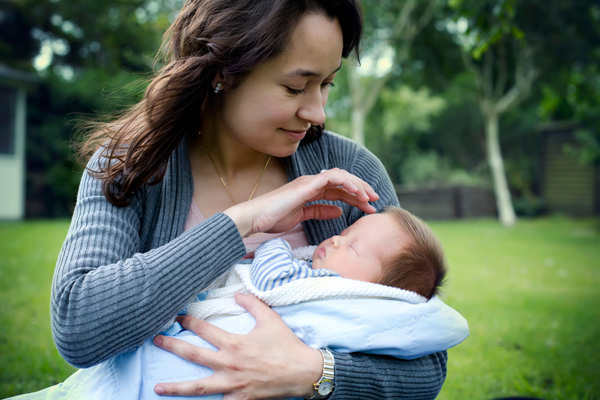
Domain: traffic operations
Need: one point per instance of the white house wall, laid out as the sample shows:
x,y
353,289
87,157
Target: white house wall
x,y
12,168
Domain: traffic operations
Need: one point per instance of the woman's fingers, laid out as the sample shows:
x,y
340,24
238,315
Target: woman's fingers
x,y
268,362
322,212
259,310
283,208
212,334
339,194
185,350
351,183
200,387
207,331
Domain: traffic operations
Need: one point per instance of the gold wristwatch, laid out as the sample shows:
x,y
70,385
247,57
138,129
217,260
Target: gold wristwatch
x,y
325,385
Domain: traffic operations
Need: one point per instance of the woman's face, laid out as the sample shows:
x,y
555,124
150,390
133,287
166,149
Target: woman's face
x,y
274,106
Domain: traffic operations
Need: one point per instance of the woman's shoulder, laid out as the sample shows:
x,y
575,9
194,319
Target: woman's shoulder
x,y
173,188
340,142
332,150
348,154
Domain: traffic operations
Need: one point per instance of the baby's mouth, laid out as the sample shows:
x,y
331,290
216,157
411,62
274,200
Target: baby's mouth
x,y
320,253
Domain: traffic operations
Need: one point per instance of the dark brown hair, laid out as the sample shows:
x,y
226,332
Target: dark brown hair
x,y
208,37
419,265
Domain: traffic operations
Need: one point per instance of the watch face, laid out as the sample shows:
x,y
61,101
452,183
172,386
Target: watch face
x,y
325,387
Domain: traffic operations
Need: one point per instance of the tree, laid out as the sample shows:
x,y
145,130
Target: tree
x,y
497,53
508,45
390,30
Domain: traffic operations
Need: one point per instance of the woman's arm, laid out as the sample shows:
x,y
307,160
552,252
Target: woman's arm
x,y
108,296
365,376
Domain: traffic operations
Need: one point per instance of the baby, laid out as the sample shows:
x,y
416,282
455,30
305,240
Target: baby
x,y
393,248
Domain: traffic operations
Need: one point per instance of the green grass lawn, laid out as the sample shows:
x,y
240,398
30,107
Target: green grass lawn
x,y
28,359
530,294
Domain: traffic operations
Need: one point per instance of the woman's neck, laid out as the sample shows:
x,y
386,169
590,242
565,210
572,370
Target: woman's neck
x,y
230,156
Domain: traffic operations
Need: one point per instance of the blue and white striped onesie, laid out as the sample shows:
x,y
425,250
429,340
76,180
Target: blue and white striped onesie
x,y
274,265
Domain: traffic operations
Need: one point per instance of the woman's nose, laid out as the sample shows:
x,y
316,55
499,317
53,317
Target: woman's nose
x,y
313,109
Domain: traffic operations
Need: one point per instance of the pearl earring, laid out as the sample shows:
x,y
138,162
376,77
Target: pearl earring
x,y
218,87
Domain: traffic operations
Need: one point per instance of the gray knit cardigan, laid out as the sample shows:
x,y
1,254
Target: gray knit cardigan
x,y
123,273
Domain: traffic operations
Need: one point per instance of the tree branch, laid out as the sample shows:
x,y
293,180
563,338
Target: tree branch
x,y
426,16
471,66
525,74
402,24
487,74
502,70
356,91
373,94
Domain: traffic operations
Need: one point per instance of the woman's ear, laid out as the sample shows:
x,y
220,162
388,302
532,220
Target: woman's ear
x,y
220,82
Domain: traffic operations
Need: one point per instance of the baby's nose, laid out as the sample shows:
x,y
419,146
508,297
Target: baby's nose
x,y
337,240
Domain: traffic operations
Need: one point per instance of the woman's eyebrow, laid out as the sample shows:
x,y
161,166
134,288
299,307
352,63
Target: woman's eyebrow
x,y
308,73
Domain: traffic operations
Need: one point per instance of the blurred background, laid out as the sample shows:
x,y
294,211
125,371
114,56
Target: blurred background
x,y
485,114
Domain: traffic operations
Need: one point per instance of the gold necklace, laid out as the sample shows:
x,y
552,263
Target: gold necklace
x,y
223,180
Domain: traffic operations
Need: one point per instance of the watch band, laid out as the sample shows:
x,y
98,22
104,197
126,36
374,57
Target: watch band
x,y
324,386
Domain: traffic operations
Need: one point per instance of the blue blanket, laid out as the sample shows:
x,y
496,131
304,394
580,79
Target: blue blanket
x,y
395,328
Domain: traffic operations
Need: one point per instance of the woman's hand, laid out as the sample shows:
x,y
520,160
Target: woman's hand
x,y
269,362
283,208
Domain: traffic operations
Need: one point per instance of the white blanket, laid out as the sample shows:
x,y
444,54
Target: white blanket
x,y
220,302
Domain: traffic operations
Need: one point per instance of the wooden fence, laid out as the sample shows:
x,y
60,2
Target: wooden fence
x,y
449,202
568,186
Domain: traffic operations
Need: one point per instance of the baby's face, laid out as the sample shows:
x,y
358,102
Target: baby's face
x,y
359,251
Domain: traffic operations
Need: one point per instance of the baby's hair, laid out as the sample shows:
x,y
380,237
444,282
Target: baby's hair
x,y
420,265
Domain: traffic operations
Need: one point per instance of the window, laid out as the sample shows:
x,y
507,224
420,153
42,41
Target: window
x,y
8,103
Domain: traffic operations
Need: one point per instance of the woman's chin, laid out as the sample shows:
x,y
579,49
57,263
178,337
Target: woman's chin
x,y
285,151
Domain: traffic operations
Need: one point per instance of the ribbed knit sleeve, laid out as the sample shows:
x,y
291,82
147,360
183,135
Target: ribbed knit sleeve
x,y
362,377
109,293
365,376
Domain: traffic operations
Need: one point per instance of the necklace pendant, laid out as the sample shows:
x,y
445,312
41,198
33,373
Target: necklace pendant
x,y
223,180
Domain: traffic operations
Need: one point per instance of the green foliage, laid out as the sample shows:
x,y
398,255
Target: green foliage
x,y
428,168
96,48
488,23
577,99
521,145
405,110
380,16
89,55
563,36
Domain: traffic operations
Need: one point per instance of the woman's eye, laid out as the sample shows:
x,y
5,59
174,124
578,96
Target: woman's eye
x,y
295,91
326,85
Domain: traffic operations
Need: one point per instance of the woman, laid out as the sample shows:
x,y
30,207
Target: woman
x,y
233,116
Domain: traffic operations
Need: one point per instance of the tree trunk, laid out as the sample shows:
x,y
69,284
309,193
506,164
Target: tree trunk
x,y
503,200
359,115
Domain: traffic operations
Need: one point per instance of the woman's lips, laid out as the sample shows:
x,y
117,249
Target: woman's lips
x,y
296,135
